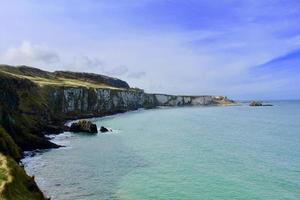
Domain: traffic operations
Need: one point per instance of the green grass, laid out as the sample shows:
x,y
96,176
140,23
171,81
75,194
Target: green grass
x,y
8,146
14,183
66,82
4,173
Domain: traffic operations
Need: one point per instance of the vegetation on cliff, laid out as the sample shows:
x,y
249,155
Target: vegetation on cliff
x,y
23,112
63,78
15,184
8,146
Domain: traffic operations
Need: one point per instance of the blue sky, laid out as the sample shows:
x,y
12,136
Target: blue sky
x,y
246,49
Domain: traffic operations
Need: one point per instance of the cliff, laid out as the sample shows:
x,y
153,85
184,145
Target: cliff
x,y
34,102
85,102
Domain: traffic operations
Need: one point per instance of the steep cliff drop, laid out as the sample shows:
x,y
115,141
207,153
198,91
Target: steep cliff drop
x,y
34,102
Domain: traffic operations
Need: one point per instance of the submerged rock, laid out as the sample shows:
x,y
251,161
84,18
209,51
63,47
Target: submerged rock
x,y
103,129
83,126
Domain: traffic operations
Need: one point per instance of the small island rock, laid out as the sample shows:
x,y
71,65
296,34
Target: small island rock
x,y
255,103
83,126
258,103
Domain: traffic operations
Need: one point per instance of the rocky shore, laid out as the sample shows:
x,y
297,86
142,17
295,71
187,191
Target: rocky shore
x,y
35,102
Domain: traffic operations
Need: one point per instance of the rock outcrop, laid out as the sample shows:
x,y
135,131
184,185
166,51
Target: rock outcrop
x,y
84,126
258,103
103,129
255,103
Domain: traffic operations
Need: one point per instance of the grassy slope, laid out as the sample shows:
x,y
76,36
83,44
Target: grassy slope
x,y
53,81
22,111
8,146
15,184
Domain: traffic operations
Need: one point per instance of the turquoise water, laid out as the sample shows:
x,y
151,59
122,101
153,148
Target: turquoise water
x,y
237,152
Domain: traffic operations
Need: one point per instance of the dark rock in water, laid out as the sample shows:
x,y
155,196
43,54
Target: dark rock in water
x,y
255,103
258,103
103,129
84,126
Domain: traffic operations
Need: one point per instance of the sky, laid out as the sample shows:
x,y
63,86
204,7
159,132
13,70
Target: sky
x,y
246,49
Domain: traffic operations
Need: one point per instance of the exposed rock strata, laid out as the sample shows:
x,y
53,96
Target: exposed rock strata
x,y
82,102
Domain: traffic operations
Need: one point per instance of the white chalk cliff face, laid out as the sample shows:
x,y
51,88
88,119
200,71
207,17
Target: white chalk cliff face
x,y
104,101
79,100
172,100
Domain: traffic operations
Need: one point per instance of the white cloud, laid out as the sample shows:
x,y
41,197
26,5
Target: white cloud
x,y
95,65
182,55
85,63
117,71
137,75
29,54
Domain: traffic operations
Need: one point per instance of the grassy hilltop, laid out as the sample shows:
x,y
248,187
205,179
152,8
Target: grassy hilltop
x,y
63,78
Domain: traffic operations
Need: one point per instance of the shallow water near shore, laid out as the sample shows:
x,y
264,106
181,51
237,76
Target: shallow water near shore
x,y
236,152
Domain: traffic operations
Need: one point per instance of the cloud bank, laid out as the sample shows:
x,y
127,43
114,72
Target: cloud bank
x,y
178,47
28,53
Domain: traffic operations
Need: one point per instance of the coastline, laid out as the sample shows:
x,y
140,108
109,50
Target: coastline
x,y
32,154
36,102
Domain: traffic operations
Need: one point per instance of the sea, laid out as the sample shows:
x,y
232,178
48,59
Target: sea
x,y
182,153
